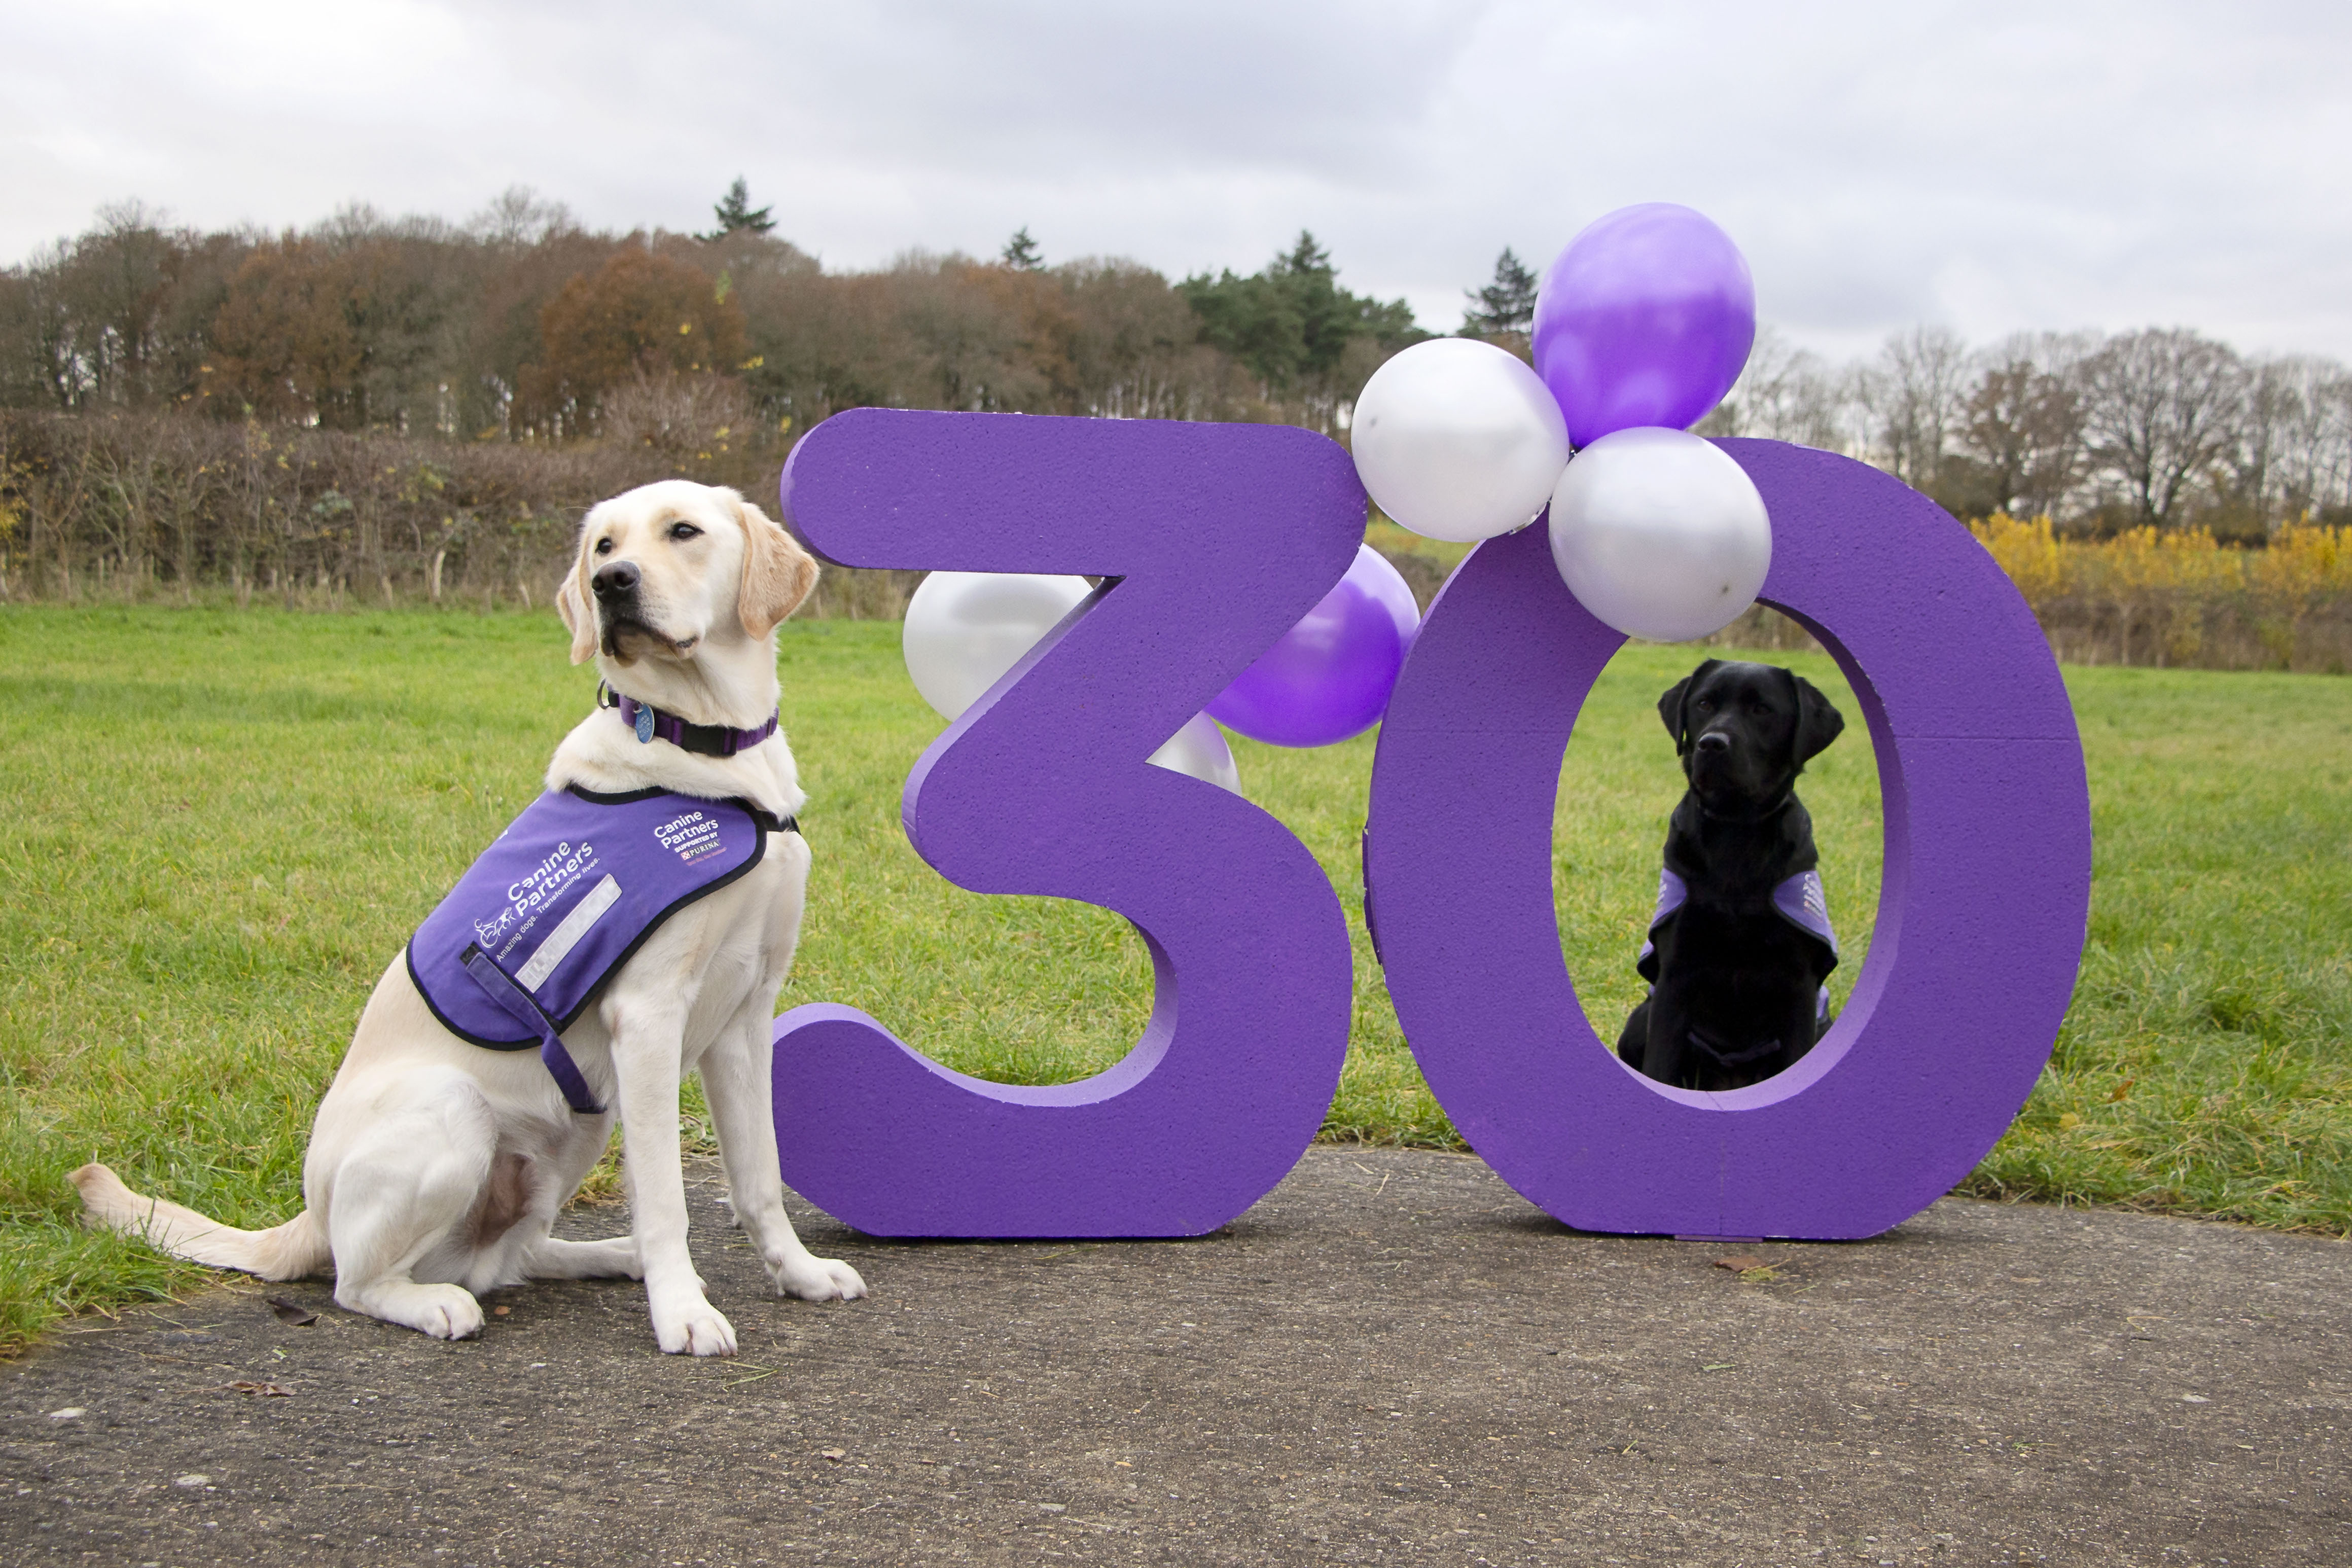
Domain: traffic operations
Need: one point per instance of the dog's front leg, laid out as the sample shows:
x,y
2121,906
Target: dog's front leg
x,y
737,1077
645,1058
1669,1041
1799,1026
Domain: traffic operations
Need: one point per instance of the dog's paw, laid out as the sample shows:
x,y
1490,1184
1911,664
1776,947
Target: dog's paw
x,y
819,1280
445,1312
699,1329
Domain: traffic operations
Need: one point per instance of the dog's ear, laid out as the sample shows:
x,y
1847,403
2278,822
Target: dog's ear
x,y
573,604
1818,722
1670,709
1670,704
777,572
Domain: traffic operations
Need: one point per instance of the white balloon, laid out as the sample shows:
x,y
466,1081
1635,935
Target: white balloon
x,y
965,629
1659,534
1200,751
1457,439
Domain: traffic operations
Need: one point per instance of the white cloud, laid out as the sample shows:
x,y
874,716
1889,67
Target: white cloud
x,y
1994,166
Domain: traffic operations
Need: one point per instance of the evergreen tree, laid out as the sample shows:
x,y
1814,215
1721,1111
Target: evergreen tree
x,y
1291,322
1506,305
1021,252
735,211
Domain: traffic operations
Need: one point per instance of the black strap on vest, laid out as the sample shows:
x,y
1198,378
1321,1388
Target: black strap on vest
x,y
502,989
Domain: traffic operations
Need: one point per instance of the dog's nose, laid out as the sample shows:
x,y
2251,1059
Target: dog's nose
x,y
616,578
1715,741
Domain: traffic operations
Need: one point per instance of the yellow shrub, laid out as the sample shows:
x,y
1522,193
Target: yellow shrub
x,y
2029,551
2144,595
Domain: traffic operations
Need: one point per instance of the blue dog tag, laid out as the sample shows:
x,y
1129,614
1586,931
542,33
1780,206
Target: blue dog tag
x,y
645,726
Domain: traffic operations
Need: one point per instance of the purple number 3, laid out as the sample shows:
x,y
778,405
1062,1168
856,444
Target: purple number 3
x,y
1221,537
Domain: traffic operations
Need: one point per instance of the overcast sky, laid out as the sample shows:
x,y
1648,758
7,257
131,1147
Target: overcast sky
x,y
1989,166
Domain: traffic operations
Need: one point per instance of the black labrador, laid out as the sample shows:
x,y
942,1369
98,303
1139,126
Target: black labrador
x,y
1739,950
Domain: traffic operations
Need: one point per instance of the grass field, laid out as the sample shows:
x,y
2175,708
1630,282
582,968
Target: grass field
x,y
216,829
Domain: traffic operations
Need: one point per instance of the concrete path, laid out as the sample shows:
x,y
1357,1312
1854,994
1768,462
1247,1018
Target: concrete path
x,y
1392,1358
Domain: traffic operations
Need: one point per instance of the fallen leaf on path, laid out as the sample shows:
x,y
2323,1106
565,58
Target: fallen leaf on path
x,y
291,1311
836,1455
1741,1264
264,1390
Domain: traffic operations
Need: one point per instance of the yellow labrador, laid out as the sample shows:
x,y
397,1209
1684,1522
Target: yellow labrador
x,y
435,1167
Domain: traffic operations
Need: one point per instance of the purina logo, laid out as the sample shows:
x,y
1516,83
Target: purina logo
x,y
692,835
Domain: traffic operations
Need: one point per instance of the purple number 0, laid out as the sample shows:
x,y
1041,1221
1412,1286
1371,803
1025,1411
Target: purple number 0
x,y
1222,537
1983,906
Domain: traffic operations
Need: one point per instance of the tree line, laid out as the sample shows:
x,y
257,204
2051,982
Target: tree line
x,y
2162,427
379,408
518,324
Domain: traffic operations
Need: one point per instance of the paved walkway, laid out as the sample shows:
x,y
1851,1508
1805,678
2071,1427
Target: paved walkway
x,y
1392,1358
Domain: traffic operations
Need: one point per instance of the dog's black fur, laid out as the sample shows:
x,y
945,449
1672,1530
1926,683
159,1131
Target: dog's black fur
x,y
1735,986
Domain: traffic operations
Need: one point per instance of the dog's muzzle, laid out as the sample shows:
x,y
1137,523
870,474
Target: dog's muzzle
x,y
617,611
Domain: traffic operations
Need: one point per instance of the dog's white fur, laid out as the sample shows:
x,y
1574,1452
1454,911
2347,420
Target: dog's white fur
x,y
435,1167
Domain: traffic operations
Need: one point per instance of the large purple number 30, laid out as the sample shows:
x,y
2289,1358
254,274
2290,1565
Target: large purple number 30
x,y
1220,538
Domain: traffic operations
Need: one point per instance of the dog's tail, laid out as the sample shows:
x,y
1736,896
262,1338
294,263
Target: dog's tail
x,y
288,1251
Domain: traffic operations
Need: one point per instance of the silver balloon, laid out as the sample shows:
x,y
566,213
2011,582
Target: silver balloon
x,y
1458,439
1200,751
1659,534
964,630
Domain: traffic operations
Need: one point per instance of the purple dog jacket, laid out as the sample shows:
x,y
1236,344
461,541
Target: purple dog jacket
x,y
1800,901
531,932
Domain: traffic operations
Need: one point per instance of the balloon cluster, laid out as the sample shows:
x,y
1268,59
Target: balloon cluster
x,y
1327,679
1642,326
965,630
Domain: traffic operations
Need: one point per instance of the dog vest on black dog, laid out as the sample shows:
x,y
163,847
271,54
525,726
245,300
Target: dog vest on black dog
x,y
523,943
1800,901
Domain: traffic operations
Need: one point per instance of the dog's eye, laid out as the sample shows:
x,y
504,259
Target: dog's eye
x,y
682,531
604,547
1704,704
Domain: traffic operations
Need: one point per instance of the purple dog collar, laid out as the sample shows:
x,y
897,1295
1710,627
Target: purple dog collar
x,y
708,740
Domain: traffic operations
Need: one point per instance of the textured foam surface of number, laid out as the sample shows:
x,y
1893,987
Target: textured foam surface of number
x,y
1221,537
1982,907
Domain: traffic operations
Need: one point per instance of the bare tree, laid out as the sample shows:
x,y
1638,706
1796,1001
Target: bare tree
x,y
1913,397
2289,457
2161,408
2023,424
519,218
1788,394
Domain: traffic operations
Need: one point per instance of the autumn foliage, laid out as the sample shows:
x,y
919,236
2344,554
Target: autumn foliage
x,y
2183,597
640,314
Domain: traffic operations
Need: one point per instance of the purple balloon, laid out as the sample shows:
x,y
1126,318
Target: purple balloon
x,y
1646,319
1331,674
